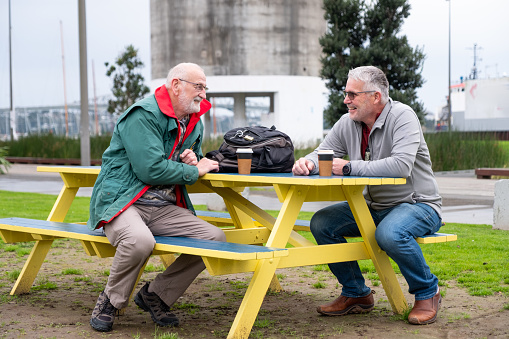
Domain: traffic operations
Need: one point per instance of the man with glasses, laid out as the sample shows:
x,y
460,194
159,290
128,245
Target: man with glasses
x,y
382,138
140,193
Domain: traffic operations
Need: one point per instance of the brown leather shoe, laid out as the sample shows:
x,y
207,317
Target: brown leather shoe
x,y
345,305
425,311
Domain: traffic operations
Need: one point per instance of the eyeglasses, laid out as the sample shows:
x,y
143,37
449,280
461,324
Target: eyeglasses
x,y
198,87
353,95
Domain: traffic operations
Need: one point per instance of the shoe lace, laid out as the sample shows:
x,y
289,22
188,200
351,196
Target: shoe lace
x,y
108,308
163,307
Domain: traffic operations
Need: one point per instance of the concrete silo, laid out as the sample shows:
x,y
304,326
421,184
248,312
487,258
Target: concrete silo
x,y
248,48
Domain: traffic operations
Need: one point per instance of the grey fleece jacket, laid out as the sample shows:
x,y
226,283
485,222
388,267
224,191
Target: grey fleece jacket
x,y
398,149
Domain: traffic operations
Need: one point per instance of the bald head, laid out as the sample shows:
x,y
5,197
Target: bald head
x,y
181,71
186,84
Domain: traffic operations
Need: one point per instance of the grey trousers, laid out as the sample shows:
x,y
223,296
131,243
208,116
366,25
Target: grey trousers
x,y
132,233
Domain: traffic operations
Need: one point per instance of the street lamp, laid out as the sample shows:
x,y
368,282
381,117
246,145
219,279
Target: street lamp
x,y
449,87
12,119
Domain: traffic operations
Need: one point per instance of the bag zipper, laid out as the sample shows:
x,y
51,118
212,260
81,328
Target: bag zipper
x,y
258,144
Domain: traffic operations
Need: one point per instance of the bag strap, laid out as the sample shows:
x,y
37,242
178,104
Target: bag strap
x,y
265,155
215,154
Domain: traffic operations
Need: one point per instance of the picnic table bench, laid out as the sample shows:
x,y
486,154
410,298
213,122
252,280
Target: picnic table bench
x,y
223,219
487,173
95,243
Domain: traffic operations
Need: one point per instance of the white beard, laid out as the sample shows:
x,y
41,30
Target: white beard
x,y
193,106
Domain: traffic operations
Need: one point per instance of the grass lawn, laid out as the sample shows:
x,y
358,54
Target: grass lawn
x,y
478,261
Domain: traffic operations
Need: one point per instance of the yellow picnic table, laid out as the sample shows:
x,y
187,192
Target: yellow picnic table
x,y
292,191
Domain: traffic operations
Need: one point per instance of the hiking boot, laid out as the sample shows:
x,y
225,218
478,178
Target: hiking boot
x,y
103,314
345,305
425,311
159,311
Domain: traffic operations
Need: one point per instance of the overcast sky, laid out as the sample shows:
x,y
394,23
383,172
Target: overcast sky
x,y
114,24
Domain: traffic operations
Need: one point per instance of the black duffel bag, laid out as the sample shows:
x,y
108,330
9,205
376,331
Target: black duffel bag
x,y
272,150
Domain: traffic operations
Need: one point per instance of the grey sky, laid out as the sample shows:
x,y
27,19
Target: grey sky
x,y
113,24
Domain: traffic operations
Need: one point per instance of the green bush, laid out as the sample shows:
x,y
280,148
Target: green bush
x,y
4,164
449,151
55,146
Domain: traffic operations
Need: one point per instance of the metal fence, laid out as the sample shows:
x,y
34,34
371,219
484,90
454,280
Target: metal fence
x,y
53,120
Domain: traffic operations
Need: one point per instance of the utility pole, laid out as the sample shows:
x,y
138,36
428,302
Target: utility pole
x,y
12,117
449,107
84,121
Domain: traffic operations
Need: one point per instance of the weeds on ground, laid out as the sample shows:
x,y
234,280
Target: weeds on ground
x,y
263,323
72,271
319,284
188,307
165,335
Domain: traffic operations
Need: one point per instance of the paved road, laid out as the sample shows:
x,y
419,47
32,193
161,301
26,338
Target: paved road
x,y
465,198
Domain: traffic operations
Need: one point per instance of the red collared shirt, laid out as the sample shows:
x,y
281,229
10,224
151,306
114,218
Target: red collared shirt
x,y
365,138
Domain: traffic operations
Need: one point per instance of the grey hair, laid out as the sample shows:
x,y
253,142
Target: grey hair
x,y
373,78
180,71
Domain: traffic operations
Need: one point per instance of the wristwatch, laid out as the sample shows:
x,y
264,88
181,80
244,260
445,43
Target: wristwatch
x,y
347,168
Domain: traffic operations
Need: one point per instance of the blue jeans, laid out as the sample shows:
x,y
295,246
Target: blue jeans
x,y
396,229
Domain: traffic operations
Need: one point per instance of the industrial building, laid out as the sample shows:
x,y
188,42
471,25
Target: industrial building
x,y
262,52
481,105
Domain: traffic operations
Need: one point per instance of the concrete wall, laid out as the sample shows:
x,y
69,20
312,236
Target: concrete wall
x,y
501,205
237,37
249,47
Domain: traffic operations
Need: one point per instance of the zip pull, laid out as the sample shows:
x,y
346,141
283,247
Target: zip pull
x,y
367,154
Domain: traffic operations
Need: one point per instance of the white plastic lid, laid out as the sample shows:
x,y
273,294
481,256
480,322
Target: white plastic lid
x,y
244,150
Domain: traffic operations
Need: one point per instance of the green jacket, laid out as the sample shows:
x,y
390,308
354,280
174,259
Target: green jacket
x,y
139,154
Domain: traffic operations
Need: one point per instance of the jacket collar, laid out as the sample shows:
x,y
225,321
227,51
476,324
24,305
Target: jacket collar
x,y
380,121
164,103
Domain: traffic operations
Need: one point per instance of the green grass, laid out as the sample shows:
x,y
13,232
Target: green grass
x,y
476,261
72,271
38,206
152,268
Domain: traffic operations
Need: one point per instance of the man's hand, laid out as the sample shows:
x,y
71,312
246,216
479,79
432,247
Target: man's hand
x,y
206,165
303,166
337,166
189,157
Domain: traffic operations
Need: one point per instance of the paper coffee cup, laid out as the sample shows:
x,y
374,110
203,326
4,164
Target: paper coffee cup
x,y
325,158
244,157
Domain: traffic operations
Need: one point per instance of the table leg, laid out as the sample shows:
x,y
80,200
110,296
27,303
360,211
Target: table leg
x,y
62,204
239,218
253,298
266,268
32,266
263,217
380,258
